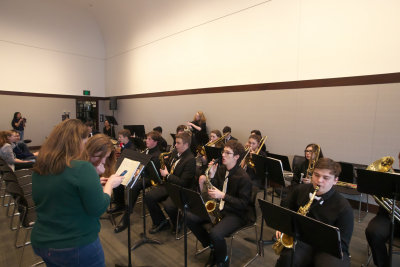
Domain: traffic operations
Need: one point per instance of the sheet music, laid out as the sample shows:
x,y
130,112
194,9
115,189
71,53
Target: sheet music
x,y
130,166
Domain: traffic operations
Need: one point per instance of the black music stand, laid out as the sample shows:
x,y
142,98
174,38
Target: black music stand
x,y
136,130
319,235
213,153
144,160
381,184
284,159
153,173
260,166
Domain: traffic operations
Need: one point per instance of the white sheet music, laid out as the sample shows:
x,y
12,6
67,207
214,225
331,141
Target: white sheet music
x,y
130,166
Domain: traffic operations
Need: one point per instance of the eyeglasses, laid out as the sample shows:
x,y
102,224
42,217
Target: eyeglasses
x,y
308,151
226,152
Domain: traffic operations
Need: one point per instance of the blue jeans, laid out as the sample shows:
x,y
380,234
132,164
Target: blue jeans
x,y
91,255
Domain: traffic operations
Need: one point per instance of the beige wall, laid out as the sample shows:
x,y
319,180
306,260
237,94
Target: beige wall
x,y
354,123
42,114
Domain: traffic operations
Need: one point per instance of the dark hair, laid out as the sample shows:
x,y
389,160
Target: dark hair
x,y
14,117
216,132
89,124
180,128
154,135
257,132
329,164
255,137
125,133
236,147
226,129
158,129
185,136
314,148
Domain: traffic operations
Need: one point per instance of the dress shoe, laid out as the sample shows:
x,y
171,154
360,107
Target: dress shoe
x,y
124,224
116,208
164,225
211,259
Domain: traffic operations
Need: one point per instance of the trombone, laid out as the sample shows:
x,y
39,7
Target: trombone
x,y
202,150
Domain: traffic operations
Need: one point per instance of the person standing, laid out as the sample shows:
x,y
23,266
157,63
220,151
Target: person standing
x,y
69,200
18,123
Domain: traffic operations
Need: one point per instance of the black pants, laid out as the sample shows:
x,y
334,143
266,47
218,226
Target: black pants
x,y
305,255
216,237
378,233
160,195
119,195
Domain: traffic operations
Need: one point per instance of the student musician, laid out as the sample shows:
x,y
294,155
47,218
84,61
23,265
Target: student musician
x,y
254,143
378,233
227,130
202,166
181,170
300,170
199,128
119,192
152,149
232,186
163,143
329,207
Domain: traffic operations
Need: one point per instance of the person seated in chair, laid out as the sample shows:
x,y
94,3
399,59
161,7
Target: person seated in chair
x,y
378,234
227,130
300,171
152,141
329,207
20,149
181,171
233,188
162,144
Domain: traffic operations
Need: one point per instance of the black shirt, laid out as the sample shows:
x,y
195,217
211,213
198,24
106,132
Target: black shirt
x,y
335,210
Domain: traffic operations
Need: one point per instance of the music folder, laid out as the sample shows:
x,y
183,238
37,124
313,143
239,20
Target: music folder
x,y
319,235
134,160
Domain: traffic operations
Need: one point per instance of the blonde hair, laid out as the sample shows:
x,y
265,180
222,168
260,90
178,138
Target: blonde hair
x,y
63,145
98,146
202,117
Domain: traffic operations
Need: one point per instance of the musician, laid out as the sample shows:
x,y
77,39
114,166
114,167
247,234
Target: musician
x,y
183,128
199,128
163,143
18,124
119,192
300,169
235,204
378,234
181,171
152,148
258,132
108,129
329,207
214,135
254,143
227,130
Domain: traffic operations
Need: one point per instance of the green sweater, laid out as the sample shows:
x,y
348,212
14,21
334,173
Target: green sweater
x,y
68,207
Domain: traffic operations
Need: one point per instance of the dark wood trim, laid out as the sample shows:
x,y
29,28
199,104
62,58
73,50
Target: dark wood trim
x,y
79,97
329,82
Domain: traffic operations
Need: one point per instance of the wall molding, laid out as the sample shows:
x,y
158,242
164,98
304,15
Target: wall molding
x,y
329,82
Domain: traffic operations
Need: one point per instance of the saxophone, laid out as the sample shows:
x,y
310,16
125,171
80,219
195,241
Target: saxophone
x,y
162,164
211,205
286,240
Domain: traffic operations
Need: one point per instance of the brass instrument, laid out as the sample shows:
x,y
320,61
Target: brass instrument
x,y
202,150
385,165
348,185
211,205
311,165
247,161
162,164
286,240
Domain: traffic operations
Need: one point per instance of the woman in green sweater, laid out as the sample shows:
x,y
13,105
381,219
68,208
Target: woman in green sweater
x,y
69,200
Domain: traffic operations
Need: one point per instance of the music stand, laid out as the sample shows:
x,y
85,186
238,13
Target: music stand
x,y
384,185
284,159
213,153
111,120
317,234
144,160
260,166
153,173
137,130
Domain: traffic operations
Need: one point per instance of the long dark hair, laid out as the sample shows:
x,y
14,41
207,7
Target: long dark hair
x,y
15,116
